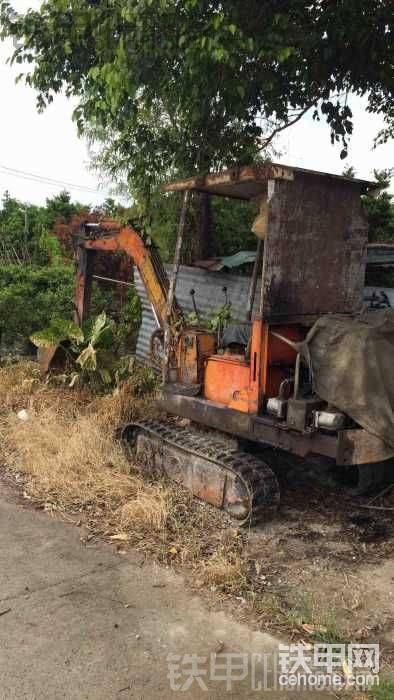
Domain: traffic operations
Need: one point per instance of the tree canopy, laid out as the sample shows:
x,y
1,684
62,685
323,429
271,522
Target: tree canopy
x,y
187,85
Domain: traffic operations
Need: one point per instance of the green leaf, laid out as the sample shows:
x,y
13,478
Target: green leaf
x,y
219,54
232,28
98,326
87,359
284,53
45,339
105,338
94,72
68,329
105,375
217,20
58,331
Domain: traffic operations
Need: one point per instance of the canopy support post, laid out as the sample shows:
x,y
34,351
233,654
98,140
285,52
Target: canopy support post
x,y
253,281
171,290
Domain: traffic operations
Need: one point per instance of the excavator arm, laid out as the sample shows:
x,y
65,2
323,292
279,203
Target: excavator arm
x,y
109,236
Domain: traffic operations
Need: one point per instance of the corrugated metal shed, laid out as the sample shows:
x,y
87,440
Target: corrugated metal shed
x,y
209,296
377,254
216,264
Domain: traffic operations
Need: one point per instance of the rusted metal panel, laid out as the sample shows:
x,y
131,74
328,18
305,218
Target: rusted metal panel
x,y
258,428
250,181
360,447
244,182
315,252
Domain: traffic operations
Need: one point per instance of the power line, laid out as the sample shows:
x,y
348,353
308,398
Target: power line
x,y
24,175
45,180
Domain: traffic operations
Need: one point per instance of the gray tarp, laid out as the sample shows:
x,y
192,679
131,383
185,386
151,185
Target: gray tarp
x,y
352,361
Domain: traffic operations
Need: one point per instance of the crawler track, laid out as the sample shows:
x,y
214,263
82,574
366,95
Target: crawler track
x,y
240,483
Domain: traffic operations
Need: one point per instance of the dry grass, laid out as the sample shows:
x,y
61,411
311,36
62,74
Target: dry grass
x,y
71,461
17,384
22,386
67,450
149,510
224,570
129,402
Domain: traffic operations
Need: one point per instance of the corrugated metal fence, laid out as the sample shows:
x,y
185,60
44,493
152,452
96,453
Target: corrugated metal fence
x,y
209,296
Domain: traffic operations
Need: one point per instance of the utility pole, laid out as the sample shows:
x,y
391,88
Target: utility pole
x,y
26,235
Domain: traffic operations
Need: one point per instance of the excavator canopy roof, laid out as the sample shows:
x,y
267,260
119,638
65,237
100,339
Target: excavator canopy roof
x,y
250,181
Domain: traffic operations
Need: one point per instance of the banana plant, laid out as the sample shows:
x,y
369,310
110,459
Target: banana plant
x,y
89,348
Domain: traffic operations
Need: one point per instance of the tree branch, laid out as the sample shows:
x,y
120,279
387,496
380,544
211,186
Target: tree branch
x,y
276,131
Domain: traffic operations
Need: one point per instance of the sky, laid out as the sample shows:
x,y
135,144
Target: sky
x,y
47,144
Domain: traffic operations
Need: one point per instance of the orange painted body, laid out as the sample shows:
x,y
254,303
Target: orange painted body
x,y
225,376
243,385
193,348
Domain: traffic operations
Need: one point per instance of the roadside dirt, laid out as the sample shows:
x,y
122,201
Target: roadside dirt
x,y
331,561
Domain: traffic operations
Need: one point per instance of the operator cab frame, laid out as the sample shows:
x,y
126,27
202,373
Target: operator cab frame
x,y
312,242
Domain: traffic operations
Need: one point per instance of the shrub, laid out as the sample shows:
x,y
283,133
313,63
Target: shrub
x,y
31,296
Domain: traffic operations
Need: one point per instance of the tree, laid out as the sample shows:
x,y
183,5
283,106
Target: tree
x,y
349,171
23,227
183,86
380,210
30,296
60,207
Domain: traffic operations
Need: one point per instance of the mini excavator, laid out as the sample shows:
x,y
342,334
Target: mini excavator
x,y
312,252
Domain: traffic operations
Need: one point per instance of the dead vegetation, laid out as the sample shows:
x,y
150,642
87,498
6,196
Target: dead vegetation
x,y
148,511
69,461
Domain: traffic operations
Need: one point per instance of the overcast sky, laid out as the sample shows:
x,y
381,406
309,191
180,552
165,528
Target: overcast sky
x,y
47,144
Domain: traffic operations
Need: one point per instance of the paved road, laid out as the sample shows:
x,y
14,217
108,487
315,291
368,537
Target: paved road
x,y
86,622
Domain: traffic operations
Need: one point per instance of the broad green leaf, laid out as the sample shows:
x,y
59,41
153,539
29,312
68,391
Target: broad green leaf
x,y
105,338
68,329
98,326
58,331
45,339
87,359
105,375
